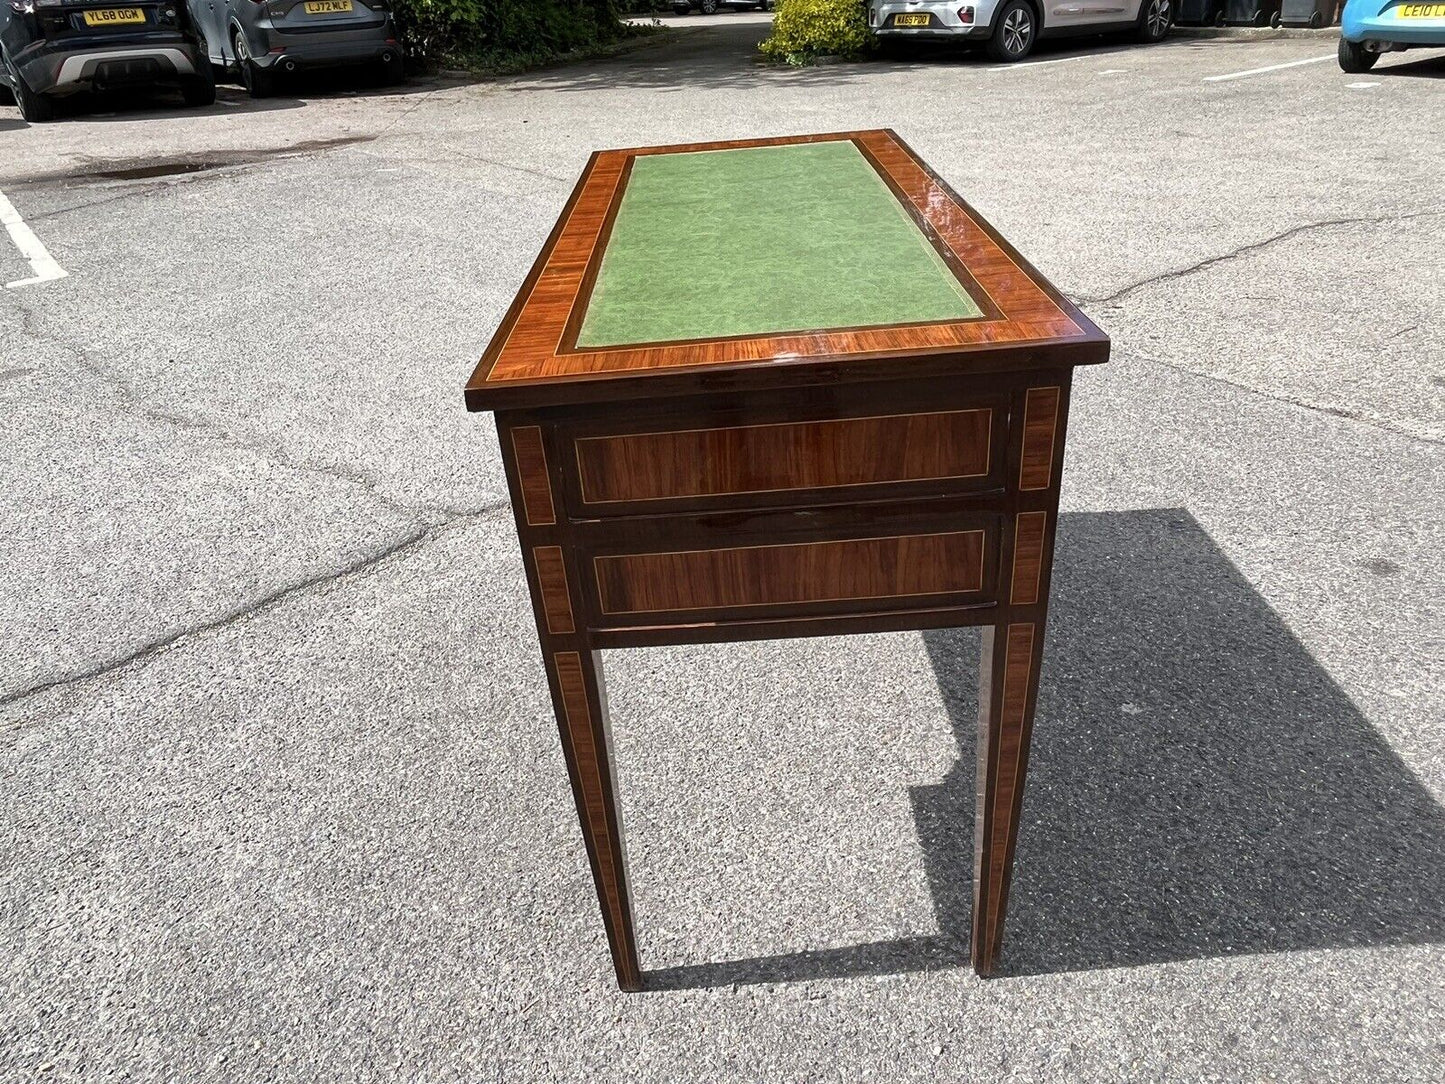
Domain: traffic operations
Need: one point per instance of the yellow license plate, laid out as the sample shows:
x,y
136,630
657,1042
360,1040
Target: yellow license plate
x,y
115,17
327,7
910,20
1422,11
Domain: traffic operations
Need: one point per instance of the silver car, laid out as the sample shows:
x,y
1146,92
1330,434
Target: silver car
x,y
258,39
1009,28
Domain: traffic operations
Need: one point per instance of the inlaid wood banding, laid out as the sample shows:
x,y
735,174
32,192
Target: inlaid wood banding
x,y
795,455
592,769
1008,776
552,580
809,572
532,472
1041,415
1028,557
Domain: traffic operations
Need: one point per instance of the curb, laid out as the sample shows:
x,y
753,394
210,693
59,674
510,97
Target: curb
x,y
1254,33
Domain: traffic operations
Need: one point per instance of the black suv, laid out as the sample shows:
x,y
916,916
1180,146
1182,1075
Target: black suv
x,y
51,48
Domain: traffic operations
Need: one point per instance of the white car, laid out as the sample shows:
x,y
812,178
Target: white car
x,y
1010,27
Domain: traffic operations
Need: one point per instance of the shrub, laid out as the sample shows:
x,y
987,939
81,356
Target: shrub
x,y
804,29
526,30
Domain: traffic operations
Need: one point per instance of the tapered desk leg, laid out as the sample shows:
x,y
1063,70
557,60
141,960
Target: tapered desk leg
x,y
581,702
1007,685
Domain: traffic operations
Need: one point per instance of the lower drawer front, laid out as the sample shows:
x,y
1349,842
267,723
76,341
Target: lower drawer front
x,y
892,571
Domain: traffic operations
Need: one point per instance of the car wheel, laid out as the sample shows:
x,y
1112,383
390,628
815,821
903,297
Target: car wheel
x,y
1155,17
1355,58
765,5
200,89
1013,36
258,81
708,7
34,108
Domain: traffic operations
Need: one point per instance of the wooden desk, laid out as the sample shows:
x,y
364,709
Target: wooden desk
x,y
783,387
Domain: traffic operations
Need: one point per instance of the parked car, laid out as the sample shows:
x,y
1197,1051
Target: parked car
x,y
1009,28
709,7
53,48
257,39
1371,27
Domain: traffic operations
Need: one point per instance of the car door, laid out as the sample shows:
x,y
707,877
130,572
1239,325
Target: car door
x,y
1108,12
210,18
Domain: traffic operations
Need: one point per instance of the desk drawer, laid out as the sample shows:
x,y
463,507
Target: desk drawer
x,y
755,462
674,572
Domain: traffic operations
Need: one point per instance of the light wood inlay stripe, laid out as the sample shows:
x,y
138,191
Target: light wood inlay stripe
x,y
863,568
1018,657
787,455
532,470
590,774
552,579
1041,414
1028,557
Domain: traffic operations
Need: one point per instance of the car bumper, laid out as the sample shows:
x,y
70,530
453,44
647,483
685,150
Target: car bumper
x,y
1388,28
324,50
932,33
68,67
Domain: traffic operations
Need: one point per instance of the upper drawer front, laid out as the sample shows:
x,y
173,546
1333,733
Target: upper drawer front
x,y
941,451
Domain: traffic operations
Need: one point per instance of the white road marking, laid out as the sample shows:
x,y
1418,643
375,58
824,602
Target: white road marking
x,y
1113,71
1360,86
41,262
1038,63
1271,68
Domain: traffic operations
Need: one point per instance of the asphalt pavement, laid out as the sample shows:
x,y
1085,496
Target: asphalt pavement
x,y
281,797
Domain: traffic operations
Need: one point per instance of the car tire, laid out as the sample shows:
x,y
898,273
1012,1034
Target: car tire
x,y
1155,19
200,89
1355,58
1014,34
34,108
259,82
765,5
708,7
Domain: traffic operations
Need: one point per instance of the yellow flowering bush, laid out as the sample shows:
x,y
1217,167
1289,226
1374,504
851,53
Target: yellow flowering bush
x,y
804,29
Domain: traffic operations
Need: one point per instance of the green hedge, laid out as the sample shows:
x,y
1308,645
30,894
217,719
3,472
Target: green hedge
x,y
804,29
436,31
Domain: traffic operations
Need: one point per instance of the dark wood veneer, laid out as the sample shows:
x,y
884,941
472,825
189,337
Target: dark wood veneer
x,y
782,456
852,570
836,481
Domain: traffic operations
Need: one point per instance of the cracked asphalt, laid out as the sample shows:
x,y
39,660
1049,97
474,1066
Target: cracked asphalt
x,y
280,793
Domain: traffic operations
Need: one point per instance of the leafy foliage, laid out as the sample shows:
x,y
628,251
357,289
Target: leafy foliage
x,y
483,30
804,29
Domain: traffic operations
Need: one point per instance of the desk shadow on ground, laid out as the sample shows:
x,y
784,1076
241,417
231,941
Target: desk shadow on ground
x,y
1198,785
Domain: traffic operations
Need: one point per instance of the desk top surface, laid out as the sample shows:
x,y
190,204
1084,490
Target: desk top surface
x,y
769,263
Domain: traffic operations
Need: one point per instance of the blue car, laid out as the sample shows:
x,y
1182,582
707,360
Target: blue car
x,y
1371,27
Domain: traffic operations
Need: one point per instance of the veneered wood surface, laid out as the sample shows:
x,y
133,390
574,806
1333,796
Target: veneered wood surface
x,y
532,471
795,455
1004,746
529,361
1028,557
1041,415
552,580
584,732
871,569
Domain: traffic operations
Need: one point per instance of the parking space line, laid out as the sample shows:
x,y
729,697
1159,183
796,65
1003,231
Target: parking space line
x,y
41,262
1039,63
1270,68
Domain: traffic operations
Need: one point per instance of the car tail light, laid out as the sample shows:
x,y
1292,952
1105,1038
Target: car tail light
x,y
965,16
